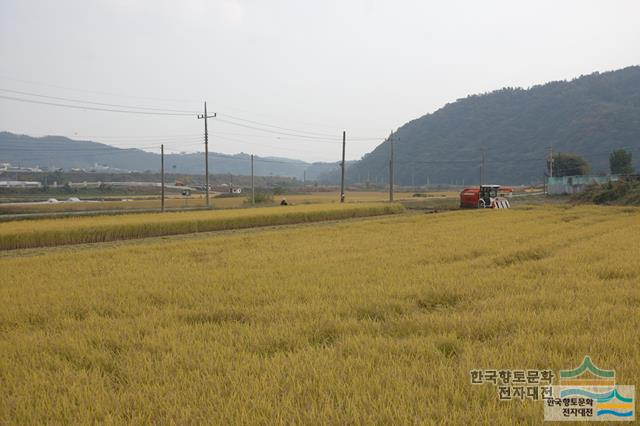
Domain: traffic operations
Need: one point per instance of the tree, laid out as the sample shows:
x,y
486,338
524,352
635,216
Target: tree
x,y
567,164
620,162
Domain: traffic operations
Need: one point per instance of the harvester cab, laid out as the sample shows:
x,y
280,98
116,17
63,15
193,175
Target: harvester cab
x,y
485,197
488,193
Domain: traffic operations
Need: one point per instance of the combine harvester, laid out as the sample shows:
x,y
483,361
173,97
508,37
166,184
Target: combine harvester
x,y
485,197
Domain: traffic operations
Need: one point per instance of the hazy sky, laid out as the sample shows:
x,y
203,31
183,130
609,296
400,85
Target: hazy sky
x,y
366,66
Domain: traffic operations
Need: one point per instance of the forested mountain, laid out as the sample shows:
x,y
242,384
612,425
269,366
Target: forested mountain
x,y
591,115
55,152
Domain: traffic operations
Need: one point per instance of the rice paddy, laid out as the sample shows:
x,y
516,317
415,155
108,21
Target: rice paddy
x,y
76,230
372,321
198,201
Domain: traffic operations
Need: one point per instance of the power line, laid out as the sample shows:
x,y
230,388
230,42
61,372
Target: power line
x,y
276,127
123,108
93,108
163,137
161,113
59,146
278,137
316,138
263,160
119,95
323,139
83,138
85,150
17,92
65,140
186,144
257,144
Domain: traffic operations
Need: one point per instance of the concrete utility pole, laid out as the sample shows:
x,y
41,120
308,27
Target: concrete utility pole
x,y
391,169
482,169
413,174
344,140
550,167
162,177
253,188
206,149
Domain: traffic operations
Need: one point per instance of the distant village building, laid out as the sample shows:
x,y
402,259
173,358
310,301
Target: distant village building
x,y
224,188
574,184
8,167
19,184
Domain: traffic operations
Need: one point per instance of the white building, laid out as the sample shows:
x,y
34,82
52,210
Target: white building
x,y
19,184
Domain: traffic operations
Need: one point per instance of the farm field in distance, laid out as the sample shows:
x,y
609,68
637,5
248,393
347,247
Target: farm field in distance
x,y
372,320
197,200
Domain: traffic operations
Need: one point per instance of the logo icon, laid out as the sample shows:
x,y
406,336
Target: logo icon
x,y
600,377
589,393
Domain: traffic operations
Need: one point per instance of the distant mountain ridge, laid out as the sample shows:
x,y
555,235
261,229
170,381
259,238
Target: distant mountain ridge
x,y
61,152
591,115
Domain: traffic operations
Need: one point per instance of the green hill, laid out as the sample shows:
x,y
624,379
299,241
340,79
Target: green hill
x,y
590,115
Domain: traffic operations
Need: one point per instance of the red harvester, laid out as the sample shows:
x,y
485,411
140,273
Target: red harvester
x,y
485,197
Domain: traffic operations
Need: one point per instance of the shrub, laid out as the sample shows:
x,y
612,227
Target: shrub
x,y
620,192
261,197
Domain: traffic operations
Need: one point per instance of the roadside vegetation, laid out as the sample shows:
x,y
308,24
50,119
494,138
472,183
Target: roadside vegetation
x,y
260,197
622,192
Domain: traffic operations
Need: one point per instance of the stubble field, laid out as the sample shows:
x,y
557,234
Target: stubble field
x,y
198,201
375,320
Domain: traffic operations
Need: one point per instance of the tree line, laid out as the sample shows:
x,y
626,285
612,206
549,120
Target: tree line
x,y
570,164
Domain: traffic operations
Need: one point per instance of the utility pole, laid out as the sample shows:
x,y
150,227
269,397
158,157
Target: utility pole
x,y
344,141
391,169
206,149
413,174
162,177
550,167
304,178
253,188
482,170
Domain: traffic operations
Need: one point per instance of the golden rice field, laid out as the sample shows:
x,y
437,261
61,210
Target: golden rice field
x,y
199,201
77,230
371,321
